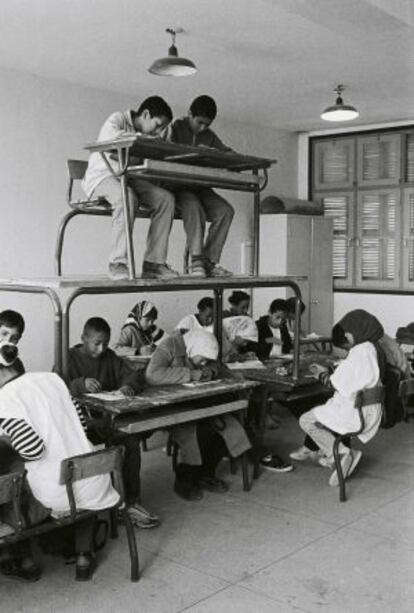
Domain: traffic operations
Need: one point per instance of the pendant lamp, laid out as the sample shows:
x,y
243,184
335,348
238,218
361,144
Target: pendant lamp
x,y
173,65
340,111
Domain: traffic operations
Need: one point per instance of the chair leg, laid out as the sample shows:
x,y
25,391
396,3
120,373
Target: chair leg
x,y
169,445
113,521
342,491
186,259
174,456
144,444
233,465
132,545
60,238
247,484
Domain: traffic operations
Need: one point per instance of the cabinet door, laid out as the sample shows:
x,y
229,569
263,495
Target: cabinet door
x,y
340,207
379,160
320,277
408,240
334,164
377,244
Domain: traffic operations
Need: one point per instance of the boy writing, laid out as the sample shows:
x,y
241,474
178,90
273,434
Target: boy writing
x,y
274,337
93,367
152,116
198,205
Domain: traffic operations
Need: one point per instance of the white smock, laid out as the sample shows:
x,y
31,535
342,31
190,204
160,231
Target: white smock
x,y
189,322
357,372
43,401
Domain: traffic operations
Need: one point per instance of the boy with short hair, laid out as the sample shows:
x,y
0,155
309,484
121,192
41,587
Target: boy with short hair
x,y
94,367
200,204
274,337
11,331
151,117
202,319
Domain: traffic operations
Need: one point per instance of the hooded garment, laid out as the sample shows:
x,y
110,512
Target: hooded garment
x,y
201,342
132,336
358,371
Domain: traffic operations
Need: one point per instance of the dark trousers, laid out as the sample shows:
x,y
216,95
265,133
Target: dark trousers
x,y
212,449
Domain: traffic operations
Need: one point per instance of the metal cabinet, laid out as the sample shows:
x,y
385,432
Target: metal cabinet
x,y
299,245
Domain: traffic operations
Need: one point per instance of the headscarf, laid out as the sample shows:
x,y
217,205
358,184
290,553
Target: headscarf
x,y
201,342
365,327
145,308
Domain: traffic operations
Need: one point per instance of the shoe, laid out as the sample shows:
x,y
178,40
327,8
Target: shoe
x,y
275,463
14,569
85,567
142,518
118,271
197,269
212,484
151,270
356,457
326,462
303,453
346,462
214,270
187,492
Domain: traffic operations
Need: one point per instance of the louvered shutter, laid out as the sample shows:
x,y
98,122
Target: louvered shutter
x,y
334,164
377,244
379,160
408,240
339,207
409,156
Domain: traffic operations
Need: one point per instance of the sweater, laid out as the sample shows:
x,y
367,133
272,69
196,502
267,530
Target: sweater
x,y
179,131
110,370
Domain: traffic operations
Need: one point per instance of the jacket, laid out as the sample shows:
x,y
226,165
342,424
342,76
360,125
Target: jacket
x,y
264,348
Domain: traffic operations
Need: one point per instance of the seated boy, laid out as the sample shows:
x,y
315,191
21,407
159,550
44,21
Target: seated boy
x,y
43,426
152,116
290,313
11,330
200,204
274,338
93,367
203,319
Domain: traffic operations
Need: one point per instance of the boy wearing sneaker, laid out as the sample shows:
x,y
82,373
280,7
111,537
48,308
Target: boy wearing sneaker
x,y
198,205
151,117
358,333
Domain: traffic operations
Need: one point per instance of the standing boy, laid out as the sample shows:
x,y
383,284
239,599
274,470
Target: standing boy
x,y
93,367
200,204
152,116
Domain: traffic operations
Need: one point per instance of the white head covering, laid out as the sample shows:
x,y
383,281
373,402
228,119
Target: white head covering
x,y
201,342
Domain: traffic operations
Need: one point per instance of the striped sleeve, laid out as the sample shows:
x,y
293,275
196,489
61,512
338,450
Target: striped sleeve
x,y
24,439
81,413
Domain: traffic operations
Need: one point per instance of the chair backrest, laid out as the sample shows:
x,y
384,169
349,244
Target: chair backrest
x,y
103,462
372,395
10,491
76,172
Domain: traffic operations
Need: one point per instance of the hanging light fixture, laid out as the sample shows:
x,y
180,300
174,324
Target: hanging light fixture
x,y
173,65
339,111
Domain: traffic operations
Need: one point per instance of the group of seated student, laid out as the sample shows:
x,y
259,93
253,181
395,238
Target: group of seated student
x,y
196,205
44,420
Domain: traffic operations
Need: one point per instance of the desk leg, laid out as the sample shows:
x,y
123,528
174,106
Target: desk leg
x,y
247,484
218,323
127,218
256,230
264,394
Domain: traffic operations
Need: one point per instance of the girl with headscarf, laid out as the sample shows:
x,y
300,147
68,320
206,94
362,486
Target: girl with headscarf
x,y
358,332
183,358
139,334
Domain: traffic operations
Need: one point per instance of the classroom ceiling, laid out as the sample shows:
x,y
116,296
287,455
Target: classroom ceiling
x,y
271,62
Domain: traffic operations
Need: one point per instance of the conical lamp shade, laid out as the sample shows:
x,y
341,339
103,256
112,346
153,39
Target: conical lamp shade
x,y
339,111
173,65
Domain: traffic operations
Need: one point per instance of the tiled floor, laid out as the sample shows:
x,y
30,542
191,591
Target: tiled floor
x,y
286,546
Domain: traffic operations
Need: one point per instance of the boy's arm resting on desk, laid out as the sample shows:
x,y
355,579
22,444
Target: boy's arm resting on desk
x,y
161,372
127,376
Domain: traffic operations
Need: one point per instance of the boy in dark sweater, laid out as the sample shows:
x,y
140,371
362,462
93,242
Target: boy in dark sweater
x,y
200,204
93,367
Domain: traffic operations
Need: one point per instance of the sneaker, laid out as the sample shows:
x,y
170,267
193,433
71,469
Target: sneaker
x,y
197,269
151,270
15,570
142,518
303,453
326,462
118,271
356,457
214,270
346,462
275,463
85,567
212,484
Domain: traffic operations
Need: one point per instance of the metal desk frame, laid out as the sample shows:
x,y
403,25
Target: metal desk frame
x,y
178,153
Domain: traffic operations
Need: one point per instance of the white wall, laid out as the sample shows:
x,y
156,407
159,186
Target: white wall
x,y
393,310
44,122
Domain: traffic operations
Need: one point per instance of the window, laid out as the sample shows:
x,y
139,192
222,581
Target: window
x,y
365,182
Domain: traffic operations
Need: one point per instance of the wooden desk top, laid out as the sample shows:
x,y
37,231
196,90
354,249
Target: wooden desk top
x,y
159,396
145,146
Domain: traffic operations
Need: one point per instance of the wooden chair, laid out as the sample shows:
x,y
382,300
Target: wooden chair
x,y
72,470
406,391
364,398
98,206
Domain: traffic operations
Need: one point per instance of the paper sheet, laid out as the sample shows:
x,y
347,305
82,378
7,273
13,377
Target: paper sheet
x,y
249,364
115,395
200,383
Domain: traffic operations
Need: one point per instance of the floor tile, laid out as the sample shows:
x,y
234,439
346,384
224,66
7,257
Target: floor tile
x,y
343,572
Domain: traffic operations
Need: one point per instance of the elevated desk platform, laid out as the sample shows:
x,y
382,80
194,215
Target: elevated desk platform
x,y
62,291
